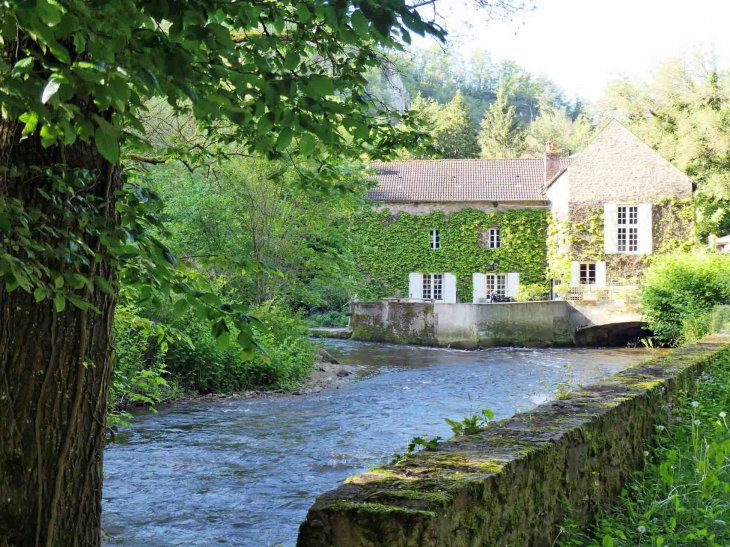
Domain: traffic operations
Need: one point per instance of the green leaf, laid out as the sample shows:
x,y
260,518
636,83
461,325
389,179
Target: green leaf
x,y
307,144
180,307
284,140
223,340
360,23
60,301
59,282
79,42
39,294
303,12
49,12
607,541
107,144
265,123
323,85
292,60
23,66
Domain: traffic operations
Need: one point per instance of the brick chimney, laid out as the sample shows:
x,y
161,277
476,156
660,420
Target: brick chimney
x,y
552,161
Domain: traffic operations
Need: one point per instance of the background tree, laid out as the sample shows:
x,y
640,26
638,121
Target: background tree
x,y
501,134
555,125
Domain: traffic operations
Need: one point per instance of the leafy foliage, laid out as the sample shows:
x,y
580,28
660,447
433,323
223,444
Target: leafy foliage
x,y
397,246
279,79
470,425
679,292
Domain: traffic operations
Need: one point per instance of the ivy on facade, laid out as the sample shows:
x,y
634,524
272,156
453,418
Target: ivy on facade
x,y
395,245
581,239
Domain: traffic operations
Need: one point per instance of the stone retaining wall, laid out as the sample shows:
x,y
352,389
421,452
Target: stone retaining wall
x,y
510,485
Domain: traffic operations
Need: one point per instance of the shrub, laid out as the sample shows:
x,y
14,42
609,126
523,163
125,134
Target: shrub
x,y
532,291
328,319
205,368
680,291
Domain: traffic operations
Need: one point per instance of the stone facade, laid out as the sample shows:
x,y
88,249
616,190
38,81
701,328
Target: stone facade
x,y
617,168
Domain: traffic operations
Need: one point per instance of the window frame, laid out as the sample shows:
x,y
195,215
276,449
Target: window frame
x,y
434,237
627,229
432,285
492,284
495,241
584,273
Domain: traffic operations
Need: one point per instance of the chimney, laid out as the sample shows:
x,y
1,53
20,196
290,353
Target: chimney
x,y
552,161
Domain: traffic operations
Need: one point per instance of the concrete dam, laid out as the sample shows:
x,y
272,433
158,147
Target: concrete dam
x,y
556,323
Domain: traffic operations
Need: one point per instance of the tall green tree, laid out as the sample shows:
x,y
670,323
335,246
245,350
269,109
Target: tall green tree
x,y
501,134
555,125
276,79
453,131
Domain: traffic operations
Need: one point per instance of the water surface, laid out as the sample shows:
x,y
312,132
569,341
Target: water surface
x,y
245,472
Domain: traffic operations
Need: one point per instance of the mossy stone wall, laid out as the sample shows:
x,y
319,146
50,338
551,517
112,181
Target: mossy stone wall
x,y
511,484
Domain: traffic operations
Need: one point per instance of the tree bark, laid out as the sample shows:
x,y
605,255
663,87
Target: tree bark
x,y
55,373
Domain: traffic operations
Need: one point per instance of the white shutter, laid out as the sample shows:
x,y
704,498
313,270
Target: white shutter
x,y
479,284
600,274
415,287
449,288
574,274
610,228
645,227
513,284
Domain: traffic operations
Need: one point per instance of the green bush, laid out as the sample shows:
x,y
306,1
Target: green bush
x,y
328,319
206,368
140,377
532,292
680,291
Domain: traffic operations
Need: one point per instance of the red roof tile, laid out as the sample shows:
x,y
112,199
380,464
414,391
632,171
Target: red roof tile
x,y
461,180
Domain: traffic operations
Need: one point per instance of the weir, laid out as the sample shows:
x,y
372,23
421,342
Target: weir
x,y
470,326
513,482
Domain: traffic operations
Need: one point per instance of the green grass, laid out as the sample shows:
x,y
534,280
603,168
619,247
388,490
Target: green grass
x,y
681,496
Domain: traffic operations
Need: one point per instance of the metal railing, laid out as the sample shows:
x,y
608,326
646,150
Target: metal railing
x,y
612,291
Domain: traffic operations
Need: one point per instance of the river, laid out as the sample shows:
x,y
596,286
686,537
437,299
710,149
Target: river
x,y
245,472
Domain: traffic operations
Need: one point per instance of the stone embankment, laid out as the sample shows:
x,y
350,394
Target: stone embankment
x,y
511,484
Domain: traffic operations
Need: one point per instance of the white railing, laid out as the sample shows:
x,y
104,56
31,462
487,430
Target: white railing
x,y
612,291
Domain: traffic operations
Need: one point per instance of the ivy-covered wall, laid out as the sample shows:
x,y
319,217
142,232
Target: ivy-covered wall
x,y
398,244
581,239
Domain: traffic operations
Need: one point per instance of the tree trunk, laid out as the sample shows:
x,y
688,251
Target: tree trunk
x,y
55,373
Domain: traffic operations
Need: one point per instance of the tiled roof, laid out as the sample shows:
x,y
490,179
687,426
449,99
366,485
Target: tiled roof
x,y
461,180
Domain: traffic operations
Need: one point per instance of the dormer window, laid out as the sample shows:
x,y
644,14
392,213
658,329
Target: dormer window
x,y
494,241
435,236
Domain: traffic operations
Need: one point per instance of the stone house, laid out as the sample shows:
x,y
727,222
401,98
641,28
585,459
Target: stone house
x,y
606,211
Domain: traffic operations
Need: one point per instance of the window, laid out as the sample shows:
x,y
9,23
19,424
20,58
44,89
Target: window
x,y
433,287
628,220
494,241
435,239
588,273
496,283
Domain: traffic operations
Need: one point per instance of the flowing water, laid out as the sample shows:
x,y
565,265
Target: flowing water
x,y
244,472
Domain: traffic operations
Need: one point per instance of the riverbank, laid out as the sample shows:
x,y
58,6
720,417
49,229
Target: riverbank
x,y
324,376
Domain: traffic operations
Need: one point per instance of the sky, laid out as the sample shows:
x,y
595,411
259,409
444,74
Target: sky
x,y
583,45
